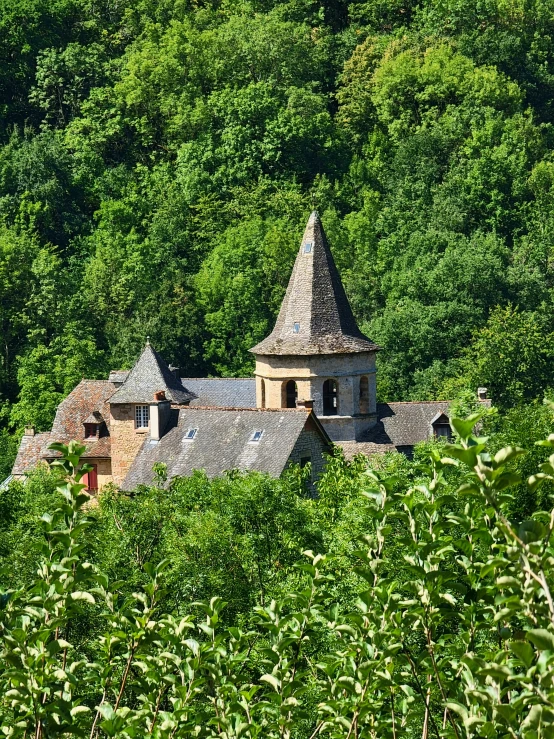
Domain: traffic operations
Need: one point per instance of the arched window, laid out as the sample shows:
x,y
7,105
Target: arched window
x,y
330,398
364,395
290,394
263,394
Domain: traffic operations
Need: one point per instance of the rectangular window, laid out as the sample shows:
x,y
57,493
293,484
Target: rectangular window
x,y
142,416
308,247
191,434
296,328
443,431
90,430
256,436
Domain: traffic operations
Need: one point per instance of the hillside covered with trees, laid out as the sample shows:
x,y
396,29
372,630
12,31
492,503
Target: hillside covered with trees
x,y
158,159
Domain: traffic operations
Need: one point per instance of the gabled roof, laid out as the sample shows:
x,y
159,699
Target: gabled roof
x,y
223,392
88,400
29,452
400,426
94,417
223,442
150,375
315,316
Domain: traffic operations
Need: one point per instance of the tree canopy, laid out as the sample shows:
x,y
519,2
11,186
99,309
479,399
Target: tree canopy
x,y
158,161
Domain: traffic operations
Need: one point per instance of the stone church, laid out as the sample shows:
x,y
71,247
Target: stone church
x,y
314,387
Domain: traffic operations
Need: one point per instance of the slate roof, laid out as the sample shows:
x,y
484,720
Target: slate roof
x,y
118,376
29,452
400,427
94,417
88,397
222,392
316,302
222,442
149,375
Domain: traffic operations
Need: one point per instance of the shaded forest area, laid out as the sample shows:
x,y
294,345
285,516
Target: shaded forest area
x,y
159,159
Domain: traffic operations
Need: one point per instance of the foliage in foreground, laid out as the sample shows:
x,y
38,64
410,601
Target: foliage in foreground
x,y
459,643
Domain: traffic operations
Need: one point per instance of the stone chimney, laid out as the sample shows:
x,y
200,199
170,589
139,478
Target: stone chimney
x,y
160,410
308,404
176,371
29,431
482,393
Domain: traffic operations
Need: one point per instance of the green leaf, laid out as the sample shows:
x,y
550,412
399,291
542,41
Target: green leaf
x,y
541,638
272,680
79,709
523,651
82,595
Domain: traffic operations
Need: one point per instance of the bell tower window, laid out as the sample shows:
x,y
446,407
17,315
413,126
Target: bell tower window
x,y
263,394
290,394
330,398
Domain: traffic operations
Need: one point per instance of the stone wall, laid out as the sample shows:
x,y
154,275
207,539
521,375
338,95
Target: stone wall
x,y
310,373
309,444
103,470
126,439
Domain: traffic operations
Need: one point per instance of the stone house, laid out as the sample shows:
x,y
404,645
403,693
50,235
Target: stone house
x,y
314,385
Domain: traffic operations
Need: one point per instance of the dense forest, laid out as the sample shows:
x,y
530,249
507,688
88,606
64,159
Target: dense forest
x,y
159,159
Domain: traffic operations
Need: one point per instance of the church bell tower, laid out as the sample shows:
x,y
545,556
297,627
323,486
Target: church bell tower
x,y
316,354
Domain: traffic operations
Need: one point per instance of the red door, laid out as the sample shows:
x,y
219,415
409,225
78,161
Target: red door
x,y
91,480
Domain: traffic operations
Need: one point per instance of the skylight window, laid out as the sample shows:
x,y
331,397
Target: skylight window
x,y
256,436
190,435
296,328
308,247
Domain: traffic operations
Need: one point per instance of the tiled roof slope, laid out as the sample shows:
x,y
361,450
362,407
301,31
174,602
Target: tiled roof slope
x,y
29,452
87,397
236,392
405,424
316,301
222,443
149,375
400,426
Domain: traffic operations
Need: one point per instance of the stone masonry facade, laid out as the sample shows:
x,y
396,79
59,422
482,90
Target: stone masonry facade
x,y
309,444
310,373
126,439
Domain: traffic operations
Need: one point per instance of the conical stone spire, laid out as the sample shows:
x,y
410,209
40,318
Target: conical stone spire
x,y
315,316
150,375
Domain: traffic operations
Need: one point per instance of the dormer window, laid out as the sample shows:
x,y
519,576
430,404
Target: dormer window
x,y
441,428
91,430
308,247
190,435
256,437
296,328
142,416
93,425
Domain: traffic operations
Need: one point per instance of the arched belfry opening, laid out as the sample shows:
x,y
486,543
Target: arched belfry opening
x,y
290,394
364,394
330,398
263,394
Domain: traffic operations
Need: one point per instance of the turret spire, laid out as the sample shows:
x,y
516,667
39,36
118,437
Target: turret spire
x,y
315,316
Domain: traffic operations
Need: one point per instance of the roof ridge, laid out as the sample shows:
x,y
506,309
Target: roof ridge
x,y
242,410
412,402
218,378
